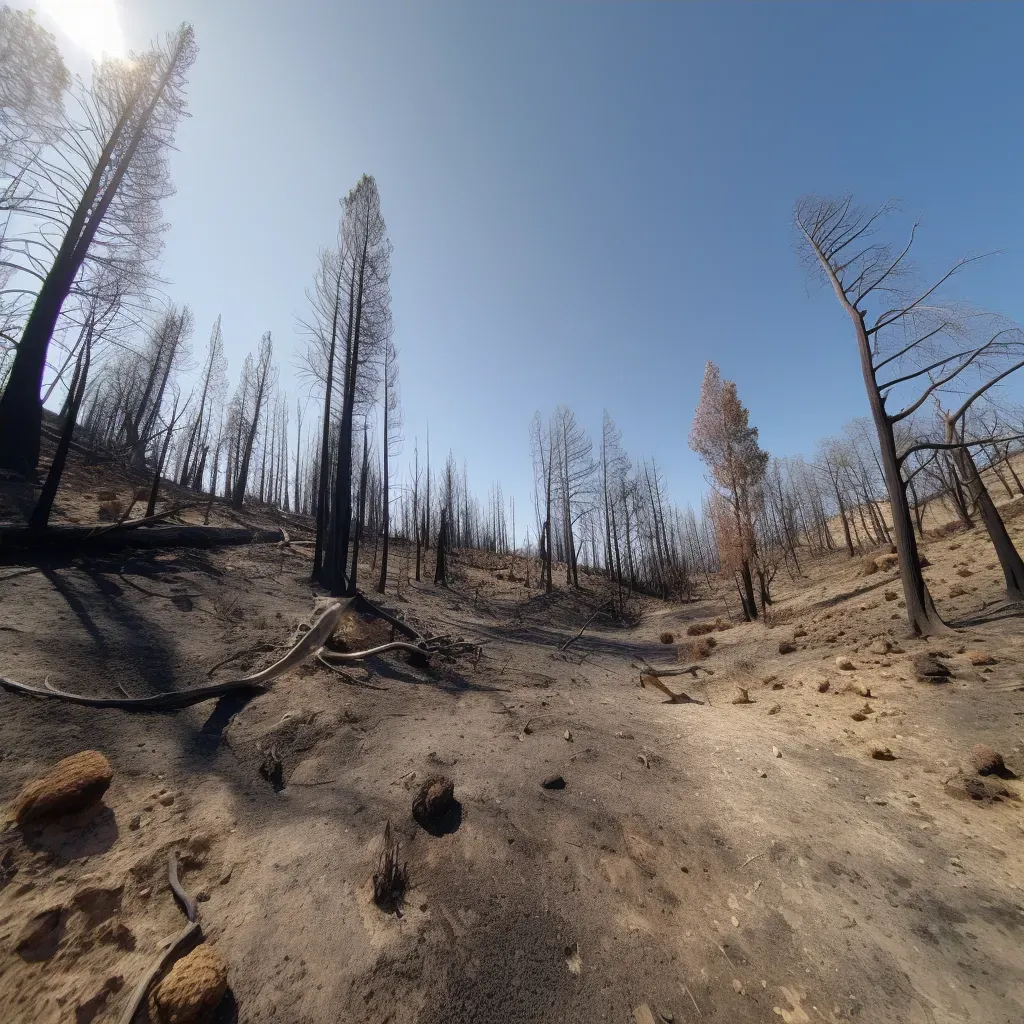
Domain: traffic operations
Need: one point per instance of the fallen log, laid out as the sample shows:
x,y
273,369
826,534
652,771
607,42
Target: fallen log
x,y
21,538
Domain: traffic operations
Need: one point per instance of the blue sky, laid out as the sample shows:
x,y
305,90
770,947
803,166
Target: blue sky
x,y
587,200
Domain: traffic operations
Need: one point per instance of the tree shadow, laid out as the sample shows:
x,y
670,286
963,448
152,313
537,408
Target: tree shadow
x,y
998,613
211,733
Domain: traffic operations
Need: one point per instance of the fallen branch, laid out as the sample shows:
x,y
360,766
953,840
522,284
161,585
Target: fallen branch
x,y
131,536
675,698
573,640
310,643
171,953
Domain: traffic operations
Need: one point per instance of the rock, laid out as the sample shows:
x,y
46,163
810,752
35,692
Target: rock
x,y
929,669
881,646
924,562
135,822
166,799
891,595
191,990
86,1009
990,790
776,752
869,567
845,664
554,782
434,800
667,638
643,1014
70,785
859,716
963,572
41,936
883,754
786,648
831,638
799,632
567,735
778,686
742,697
980,658
986,761
774,709
823,687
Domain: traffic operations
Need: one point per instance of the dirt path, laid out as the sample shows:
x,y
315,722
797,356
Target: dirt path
x,y
684,865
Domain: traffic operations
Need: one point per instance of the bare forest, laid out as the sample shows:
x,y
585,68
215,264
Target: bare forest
x,y
306,720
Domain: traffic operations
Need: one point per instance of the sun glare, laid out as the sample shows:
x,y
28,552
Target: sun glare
x,y
91,24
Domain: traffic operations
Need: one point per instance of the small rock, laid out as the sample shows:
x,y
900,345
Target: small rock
x,y
135,822
845,664
980,658
987,761
433,801
881,646
876,800
568,735
929,669
737,986
144,894
891,595
774,709
742,698
883,754
166,799
823,687
554,782
70,785
859,716
778,686
776,752
763,774
786,647
799,632
191,990
643,1014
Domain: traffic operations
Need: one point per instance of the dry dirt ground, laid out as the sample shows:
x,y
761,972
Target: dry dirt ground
x,y
716,861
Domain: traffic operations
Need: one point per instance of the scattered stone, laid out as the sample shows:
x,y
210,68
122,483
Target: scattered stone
x,y
776,752
70,785
643,1014
737,986
166,799
877,800
762,774
774,709
980,658
568,735
778,686
434,800
191,990
799,632
987,761
667,638
86,1009
891,595
988,790
845,664
929,669
135,822
881,646
883,754
554,782
831,638
964,572
786,648
823,687
859,716
742,698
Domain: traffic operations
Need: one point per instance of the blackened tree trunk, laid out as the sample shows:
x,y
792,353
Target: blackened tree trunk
x,y
441,565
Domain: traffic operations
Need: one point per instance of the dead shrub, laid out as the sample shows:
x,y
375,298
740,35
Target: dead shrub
x,y
110,511
391,876
695,650
720,626
667,638
700,628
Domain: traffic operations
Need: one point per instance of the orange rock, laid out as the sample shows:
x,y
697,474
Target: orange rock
x,y
70,785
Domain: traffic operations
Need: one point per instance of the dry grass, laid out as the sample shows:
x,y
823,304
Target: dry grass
x,y
697,649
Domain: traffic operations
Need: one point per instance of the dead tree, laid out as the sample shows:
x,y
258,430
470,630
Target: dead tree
x,y
391,445
106,189
257,379
894,326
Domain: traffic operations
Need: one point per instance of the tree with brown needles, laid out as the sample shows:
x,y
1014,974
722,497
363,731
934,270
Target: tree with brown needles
x,y
905,328
723,438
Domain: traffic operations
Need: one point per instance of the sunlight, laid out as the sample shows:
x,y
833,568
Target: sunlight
x,y
91,24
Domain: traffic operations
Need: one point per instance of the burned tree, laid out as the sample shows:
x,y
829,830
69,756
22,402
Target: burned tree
x,y
105,188
900,325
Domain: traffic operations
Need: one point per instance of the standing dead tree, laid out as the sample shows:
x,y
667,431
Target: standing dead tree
x,y
105,186
254,390
901,327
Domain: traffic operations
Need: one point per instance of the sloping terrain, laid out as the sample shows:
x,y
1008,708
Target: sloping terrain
x,y
812,855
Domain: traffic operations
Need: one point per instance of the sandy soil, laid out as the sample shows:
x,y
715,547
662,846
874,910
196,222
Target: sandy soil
x,y
716,861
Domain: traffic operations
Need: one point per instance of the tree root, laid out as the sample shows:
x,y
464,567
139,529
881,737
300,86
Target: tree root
x,y
192,930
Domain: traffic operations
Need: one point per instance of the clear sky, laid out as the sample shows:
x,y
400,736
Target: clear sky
x,y
588,200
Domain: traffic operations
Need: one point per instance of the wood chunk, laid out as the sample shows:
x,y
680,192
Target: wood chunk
x,y
70,785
